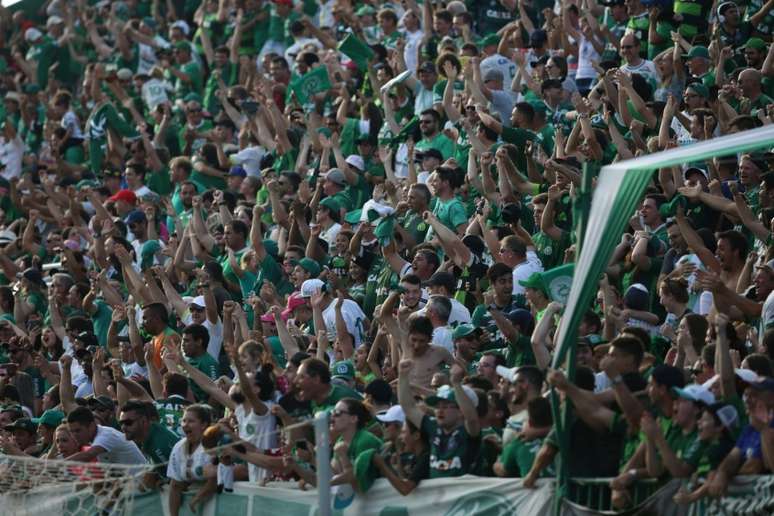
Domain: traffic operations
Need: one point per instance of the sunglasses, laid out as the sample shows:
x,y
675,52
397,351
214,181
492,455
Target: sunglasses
x,y
337,413
627,47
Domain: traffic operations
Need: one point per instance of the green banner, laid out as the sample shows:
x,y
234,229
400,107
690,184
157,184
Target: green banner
x,y
311,83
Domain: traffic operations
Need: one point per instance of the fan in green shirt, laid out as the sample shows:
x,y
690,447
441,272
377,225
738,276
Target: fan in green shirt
x,y
195,340
188,75
155,440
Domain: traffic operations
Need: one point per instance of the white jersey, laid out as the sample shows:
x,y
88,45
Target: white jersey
x,y
353,317
260,431
185,467
501,63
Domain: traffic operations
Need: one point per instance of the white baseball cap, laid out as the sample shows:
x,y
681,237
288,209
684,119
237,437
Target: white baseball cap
x,y
32,34
695,392
356,161
392,415
311,286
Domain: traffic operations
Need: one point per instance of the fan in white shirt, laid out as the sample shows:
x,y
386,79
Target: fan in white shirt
x,y
105,444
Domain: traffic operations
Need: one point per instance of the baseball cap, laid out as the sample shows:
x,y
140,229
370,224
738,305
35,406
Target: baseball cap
x,y
33,275
356,161
331,204
430,153
695,170
535,280
88,339
124,195
696,393
746,375
182,25
7,236
53,20
198,301
310,286
463,330
237,171
699,88
427,66
32,34
393,414
365,10
441,279
488,40
523,319
310,266
756,43
446,393
50,418
343,369
697,51
135,216
294,301
336,176
727,414
364,260
24,423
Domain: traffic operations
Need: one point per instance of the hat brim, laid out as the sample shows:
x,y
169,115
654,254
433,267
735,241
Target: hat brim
x,y
432,401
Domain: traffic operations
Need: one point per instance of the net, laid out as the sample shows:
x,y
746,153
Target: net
x,y
30,486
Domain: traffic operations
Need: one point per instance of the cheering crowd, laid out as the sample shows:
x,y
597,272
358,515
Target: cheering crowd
x,y
219,218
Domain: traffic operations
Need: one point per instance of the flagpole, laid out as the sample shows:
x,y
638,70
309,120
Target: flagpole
x,y
563,414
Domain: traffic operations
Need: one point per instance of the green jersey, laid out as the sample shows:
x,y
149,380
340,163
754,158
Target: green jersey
x,y
451,454
171,413
158,446
207,365
363,440
451,213
439,142
517,458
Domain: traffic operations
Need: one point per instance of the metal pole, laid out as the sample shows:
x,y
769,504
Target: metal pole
x,y
323,456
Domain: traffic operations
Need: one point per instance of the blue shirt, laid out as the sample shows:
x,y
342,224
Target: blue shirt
x,y
749,443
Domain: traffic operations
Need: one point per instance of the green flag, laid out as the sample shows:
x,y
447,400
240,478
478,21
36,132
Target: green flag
x,y
558,282
311,83
356,50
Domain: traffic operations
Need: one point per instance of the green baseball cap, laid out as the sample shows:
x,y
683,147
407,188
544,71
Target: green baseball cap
x,y
463,330
310,266
446,393
700,89
343,369
756,43
331,204
183,45
50,418
535,280
365,10
697,51
489,39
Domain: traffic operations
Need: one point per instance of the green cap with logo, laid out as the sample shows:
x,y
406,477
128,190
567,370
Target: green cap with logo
x,y
697,51
344,369
463,330
50,418
535,280
310,266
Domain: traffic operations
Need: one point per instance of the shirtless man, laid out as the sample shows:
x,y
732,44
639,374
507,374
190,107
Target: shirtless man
x,y
415,342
